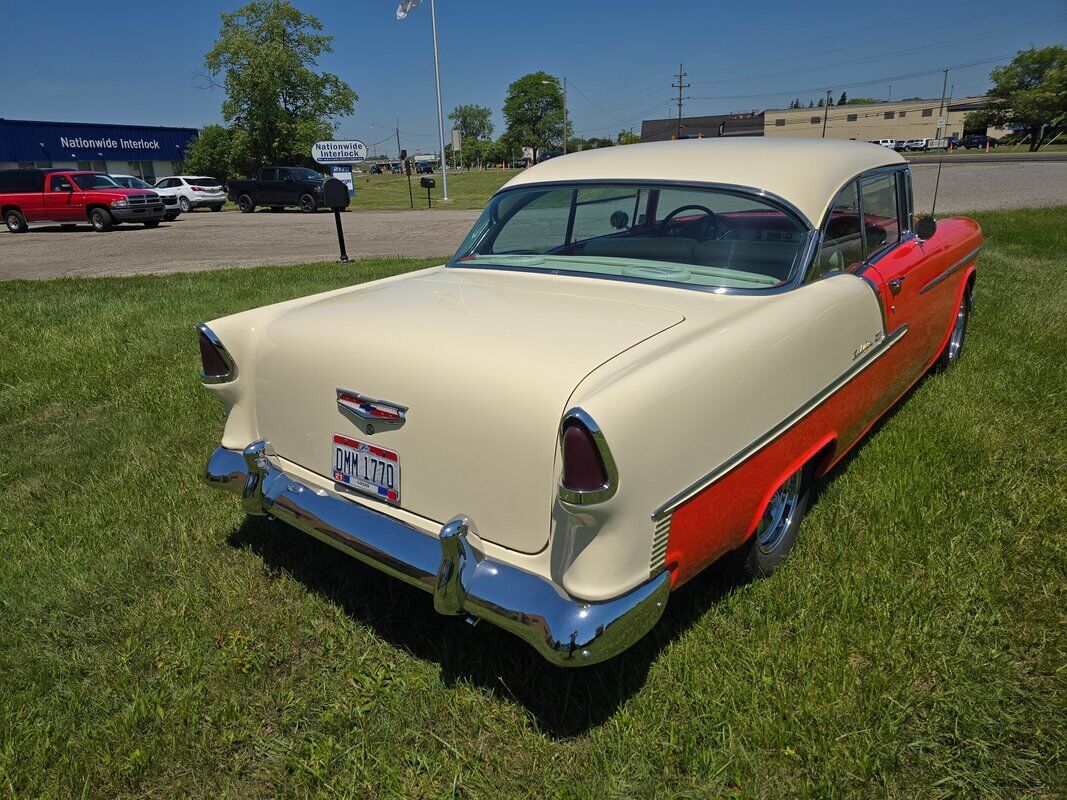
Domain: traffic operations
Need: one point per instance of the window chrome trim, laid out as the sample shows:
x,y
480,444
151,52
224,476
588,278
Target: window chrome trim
x,y
944,275
224,354
866,360
590,496
807,246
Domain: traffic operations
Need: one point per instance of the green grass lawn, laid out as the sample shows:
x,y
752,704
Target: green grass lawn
x,y
155,643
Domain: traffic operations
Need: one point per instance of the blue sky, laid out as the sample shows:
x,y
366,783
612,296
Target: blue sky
x,y
138,63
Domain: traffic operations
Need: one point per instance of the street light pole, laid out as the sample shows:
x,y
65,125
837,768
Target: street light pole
x,y
440,113
564,115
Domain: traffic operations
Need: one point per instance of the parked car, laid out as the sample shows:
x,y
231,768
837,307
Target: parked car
x,y
71,196
912,145
890,143
170,201
278,188
424,167
377,169
193,191
555,432
977,141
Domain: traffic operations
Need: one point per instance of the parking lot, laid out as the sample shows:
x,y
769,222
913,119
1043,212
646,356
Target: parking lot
x,y
203,240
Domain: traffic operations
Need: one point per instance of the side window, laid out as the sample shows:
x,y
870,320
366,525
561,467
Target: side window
x,y
603,212
881,215
268,175
59,183
842,239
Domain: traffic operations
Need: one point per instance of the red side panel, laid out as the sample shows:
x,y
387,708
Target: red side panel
x,y
723,515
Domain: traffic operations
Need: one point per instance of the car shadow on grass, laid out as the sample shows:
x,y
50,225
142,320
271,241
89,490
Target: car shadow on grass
x,y
563,702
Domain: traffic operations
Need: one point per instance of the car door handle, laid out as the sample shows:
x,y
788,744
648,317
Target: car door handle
x,y
895,284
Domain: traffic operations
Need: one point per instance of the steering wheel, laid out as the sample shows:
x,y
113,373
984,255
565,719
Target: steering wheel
x,y
708,226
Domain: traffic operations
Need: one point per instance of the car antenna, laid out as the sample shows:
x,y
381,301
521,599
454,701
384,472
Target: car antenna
x,y
941,160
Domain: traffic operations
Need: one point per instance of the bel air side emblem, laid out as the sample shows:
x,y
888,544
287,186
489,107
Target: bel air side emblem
x,y
373,415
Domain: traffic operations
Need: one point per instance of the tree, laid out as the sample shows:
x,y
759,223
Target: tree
x,y
811,104
628,137
209,153
533,109
863,101
842,99
1029,92
821,103
276,100
474,121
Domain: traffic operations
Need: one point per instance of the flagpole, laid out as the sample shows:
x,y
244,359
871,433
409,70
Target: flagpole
x,y
440,113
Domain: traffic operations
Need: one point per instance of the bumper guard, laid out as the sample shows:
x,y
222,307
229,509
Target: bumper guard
x,y
566,631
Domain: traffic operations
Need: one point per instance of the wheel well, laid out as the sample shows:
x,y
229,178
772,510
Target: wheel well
x,y
11,207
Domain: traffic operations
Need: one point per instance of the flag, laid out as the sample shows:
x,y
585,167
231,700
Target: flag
x,y
405,6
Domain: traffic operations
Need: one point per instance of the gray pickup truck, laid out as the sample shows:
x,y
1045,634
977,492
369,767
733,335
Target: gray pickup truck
x,y
278,188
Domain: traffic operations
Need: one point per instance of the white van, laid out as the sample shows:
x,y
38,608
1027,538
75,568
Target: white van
x,y
890,143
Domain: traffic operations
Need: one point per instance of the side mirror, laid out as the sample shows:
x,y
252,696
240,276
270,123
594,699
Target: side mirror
x,y
925,227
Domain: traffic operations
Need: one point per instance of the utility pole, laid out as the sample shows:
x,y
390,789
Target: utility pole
x,y
564,115
679,86
826,111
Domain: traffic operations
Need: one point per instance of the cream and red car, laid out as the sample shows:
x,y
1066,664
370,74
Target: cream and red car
x,y
636,363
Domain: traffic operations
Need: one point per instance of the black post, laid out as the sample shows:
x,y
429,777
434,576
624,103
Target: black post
x,y
340,236
428,203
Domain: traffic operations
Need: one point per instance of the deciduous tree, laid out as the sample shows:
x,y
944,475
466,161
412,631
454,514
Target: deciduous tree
x,y
1029,92
533,109
266,60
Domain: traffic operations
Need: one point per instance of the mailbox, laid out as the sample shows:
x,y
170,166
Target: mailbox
x,y
335,194
425,183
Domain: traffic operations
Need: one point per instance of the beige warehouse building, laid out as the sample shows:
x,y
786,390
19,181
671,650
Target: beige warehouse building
x,y
901,120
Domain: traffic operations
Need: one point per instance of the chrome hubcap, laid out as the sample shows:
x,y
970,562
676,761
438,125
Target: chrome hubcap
x,y
779,514
955,341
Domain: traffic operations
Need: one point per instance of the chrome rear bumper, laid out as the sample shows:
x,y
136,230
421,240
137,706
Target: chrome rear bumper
x,y
566,631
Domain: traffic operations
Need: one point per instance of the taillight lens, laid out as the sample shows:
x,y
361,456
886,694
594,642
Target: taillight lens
x,y
198,188
583,469
216,363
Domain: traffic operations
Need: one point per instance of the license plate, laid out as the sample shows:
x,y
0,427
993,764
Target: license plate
x,y
366,467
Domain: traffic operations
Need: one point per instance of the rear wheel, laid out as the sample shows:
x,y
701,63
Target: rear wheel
x,y
307,203
776,532
954,347
244,202
185,205
16,223
100,219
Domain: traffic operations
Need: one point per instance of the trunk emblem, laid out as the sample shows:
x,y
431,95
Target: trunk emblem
x,y
374,415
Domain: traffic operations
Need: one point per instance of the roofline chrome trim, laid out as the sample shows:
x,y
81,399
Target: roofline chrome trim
x,y
872,355
804,258
944,275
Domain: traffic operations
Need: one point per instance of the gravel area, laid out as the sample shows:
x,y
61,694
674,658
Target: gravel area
x,y
206,240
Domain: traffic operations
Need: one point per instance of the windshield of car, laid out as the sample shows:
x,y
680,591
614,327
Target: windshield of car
x,y
204,181
303,174
95,180
696,236
131,182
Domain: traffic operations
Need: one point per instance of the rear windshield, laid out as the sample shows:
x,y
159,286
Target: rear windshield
x,y
94,180
204,182
697,236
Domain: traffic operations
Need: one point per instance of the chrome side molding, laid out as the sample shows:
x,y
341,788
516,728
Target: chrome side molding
x,y
944,275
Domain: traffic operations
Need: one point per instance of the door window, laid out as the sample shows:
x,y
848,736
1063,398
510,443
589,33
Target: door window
x,y
59,183
881,215
842,239
268,175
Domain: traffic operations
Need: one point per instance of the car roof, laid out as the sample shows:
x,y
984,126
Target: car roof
x,y
806,173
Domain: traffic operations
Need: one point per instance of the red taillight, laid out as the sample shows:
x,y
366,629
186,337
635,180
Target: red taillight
x,y
583,469
198,188
214,364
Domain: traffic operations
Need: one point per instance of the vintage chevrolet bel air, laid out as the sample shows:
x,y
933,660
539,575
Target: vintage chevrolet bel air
x,y
636,363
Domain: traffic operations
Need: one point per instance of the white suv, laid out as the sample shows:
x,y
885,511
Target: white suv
x,y
192,191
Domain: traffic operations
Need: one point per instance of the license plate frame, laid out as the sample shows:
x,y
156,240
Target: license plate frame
x,y
358,465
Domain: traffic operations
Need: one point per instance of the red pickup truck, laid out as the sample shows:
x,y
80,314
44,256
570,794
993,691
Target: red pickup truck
x,y
71,196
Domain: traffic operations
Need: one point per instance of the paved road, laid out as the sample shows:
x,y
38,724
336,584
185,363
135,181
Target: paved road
x,y
205,240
